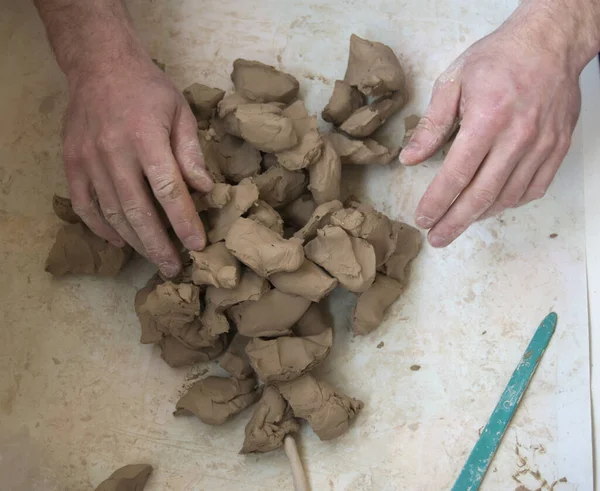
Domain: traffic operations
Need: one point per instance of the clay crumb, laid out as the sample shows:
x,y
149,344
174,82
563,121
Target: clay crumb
x,y
553,236
415,368
380,345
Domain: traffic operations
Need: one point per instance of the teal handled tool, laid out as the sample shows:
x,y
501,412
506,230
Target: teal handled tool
x,y
478,462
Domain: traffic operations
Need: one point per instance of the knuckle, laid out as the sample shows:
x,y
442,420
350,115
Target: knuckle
x,y
483,198
563,143
527,131
510,199
167,188
458,177
82,209
109,140
548,141
135,214
114,216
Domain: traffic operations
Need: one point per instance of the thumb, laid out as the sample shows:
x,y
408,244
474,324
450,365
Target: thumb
x,y
438,123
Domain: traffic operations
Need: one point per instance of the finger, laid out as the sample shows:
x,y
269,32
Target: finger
x,y
170,190
492,211
545,174
187,151
483,191
472,144
438,123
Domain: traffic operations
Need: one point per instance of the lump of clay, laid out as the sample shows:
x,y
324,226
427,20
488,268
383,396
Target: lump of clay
x,y
263,250
263,83
251,287
243,196
310,145
287,358
319,219
362,152
214,323
128,478
235,360
214,400
308,281
203,100
151,331
271,421
327,411
77,250
218,197
366,120
408,245
344,101
349,259
63,209
373,68
269,160
326,174
271,315
279,186
313,322
299,211
215,266
410,124
176,354
372,304
173,305
264,213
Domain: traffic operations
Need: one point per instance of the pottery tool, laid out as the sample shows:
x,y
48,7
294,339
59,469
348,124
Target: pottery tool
x,y
298,474
483,452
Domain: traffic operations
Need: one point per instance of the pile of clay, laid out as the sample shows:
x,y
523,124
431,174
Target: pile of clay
x,y
280,240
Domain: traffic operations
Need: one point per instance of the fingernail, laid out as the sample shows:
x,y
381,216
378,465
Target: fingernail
x,y
424,222
196,243
169,269
437,241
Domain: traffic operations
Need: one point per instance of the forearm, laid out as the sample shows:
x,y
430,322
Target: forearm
x,y
569,27
89,35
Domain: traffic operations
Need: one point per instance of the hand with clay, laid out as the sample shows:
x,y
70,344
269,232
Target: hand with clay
x,y
517,97
130,137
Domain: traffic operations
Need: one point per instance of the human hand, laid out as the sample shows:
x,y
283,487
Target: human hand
x,y
129,134
517,96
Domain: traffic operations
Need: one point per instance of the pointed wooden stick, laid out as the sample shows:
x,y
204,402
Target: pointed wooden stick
x,y
298,474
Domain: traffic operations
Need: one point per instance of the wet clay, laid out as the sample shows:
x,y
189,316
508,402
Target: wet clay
x,y
128,478
173,305
408,245
327,411
279,186
271,315
264,213
313,322
176,354
310,145
287,358
319,219
263,250
203,100
215,266
251,287
373,68
235,360
263,83
218,197
410,124
309,281
269,160
372,304
243,196
77,250
214,400
214,322
271,421
368,119
299,211
63,209
326,174
349,259
345,100
151,333
362,152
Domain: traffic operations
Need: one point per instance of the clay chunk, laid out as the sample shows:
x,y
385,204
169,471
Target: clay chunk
x,y
362,152
373,303
309,281
176,354
218,197
328,412
63,209
310,145
299,211
77,250
215,266
326,174
408,245
151,332
173,305
263,83
243,196
368,119
264,213
128,478
313,322
203,100
349,259
287,358
214,400
344,101
320,218
251,287
271,315
373,68
271,421
263,250
279,186
235,360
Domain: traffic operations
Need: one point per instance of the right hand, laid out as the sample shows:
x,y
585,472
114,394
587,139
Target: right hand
x,y
129,133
